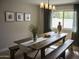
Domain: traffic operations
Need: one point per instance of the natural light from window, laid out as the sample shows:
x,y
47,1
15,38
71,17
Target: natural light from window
x,y
65,17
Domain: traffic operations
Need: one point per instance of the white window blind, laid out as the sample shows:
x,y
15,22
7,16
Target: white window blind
x,y
65,17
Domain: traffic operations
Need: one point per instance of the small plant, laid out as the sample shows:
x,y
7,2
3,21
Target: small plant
x,y
33,29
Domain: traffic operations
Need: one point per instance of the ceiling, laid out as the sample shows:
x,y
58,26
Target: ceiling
x,y
56,2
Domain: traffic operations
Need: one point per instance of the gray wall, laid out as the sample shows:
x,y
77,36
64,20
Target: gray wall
x,y
65,7
11,31
41,21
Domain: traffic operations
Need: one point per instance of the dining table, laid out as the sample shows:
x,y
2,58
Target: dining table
x,y
44,42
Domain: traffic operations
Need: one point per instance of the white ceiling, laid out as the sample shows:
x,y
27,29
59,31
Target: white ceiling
x,y
56,2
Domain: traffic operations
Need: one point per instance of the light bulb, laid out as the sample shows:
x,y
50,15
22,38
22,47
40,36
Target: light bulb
x,y
46,6
50,7
54,8
42,5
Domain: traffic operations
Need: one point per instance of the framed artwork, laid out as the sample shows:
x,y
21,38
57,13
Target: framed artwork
x,y
27,16
10,16
19,16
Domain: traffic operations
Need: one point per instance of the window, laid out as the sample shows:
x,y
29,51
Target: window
x,y
65,17
68,19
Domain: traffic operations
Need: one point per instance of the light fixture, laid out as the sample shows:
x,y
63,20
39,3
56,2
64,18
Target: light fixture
x,y
47,6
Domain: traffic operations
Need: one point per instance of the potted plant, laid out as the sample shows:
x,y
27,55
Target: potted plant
x,y
34,31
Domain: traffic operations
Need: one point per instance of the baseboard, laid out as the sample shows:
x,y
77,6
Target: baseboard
x,y
5,49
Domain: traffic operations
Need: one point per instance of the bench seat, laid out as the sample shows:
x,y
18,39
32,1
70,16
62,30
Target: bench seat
x,y
13,50
52,53
60,51
31,54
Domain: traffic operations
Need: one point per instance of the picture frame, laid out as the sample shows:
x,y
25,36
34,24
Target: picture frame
x,y
27,17
9,16
20,16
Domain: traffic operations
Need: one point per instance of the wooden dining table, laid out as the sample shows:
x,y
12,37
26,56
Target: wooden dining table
x,y
44,42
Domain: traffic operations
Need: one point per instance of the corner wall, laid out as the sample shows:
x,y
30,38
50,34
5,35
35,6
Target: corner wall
x,y
11,31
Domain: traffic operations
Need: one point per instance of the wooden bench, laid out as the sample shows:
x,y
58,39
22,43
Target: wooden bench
x,y
35,54
13,50
56,53
60,51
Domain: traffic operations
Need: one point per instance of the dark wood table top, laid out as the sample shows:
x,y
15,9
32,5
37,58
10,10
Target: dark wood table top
x,y
45,42
49,41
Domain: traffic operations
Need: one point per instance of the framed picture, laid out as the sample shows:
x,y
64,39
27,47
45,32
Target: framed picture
x,y
19,16
10,16
27,16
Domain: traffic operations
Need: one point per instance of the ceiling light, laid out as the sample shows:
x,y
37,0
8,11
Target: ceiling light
x,y
47,6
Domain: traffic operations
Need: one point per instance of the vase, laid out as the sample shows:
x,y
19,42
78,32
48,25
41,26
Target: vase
x,y
59,27
34,37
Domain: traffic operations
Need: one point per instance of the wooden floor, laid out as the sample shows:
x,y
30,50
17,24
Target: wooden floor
x,y
73,54
69,54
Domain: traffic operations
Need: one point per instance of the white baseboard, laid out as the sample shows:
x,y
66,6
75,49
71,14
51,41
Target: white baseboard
x,y
5,56
5,49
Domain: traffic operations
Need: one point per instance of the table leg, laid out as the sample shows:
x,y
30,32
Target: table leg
x,y
12,54
71,48
42,53
63,55
63,39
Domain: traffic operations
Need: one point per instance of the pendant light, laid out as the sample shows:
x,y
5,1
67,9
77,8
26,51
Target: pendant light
x,y
47,6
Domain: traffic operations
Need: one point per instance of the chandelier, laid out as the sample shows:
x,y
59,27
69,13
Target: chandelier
x,y
47,6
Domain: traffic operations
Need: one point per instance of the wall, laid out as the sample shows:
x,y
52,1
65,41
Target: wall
x,y
41,21
11,31
64,7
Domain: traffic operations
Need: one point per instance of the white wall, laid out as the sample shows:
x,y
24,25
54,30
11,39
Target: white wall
x,y
11,31
66,7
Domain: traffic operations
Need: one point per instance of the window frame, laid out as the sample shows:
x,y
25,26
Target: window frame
x,y
69,29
